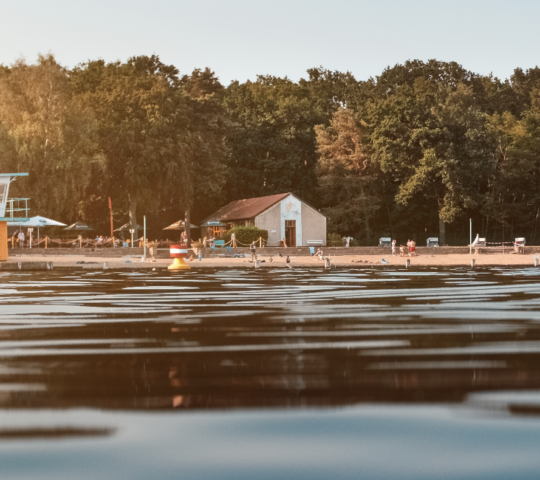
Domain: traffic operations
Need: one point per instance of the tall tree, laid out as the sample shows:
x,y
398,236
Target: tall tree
x,y
142,127
344,161
273,145
45,132
208,154
430,134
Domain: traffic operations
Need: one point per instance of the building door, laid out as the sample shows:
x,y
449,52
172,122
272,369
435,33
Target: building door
x,y
290,233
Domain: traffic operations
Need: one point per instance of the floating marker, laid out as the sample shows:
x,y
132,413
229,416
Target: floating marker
x,y
178,252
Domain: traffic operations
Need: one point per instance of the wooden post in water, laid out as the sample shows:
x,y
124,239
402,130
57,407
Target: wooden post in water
x,y
536,261
408,263
473,263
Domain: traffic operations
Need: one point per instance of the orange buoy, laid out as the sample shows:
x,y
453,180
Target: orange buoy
x,y
178,252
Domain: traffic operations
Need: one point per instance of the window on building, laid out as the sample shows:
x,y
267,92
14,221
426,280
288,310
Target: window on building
x,y
216,232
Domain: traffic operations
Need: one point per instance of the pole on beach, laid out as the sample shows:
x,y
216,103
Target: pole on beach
x,y
112,223
144,239
470,236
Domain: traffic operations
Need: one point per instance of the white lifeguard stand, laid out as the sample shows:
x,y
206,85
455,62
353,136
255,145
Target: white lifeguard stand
x,y
11,209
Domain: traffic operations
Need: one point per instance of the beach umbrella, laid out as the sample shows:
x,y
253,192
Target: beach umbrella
x,y
126,227
179,225
79,227
37,222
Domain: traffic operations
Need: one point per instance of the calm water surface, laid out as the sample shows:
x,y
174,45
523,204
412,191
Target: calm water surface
x,y
297,374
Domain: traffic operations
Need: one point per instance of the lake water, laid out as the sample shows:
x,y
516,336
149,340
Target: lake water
x,y
265,374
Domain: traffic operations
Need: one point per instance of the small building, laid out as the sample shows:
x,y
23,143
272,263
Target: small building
x,y
284,216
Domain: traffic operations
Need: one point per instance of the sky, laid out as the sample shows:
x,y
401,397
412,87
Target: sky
x,y
239,39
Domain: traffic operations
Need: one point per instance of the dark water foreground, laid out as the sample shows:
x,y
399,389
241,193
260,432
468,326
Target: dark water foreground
x,y
302,374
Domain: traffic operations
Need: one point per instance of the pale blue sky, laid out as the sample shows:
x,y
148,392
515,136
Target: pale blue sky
x,y
239,39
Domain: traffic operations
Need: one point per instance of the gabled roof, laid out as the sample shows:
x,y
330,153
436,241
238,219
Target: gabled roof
x,y
246,208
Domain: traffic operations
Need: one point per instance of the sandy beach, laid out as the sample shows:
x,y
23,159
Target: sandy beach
x,y
133,262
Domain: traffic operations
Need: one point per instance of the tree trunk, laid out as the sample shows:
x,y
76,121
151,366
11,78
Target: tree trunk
x,y
442,226
188,228
366,215
133,215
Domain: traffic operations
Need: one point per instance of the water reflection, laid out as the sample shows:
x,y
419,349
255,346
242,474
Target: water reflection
x,y
237,338
238,374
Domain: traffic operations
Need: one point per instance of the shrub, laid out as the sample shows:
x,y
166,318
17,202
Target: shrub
x,y
246,235
334,240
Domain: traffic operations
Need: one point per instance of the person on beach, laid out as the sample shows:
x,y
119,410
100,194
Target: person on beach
x,y
253,250
393,248
183,238
288,261
412,248
401,250
21,239
319,253
233,240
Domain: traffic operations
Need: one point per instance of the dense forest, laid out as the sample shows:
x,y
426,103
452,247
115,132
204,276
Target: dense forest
x,y
412,153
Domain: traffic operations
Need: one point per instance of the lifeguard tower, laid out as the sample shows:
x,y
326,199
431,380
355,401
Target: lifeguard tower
x,y
11,209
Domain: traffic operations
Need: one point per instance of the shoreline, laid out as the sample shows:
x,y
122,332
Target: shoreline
x,y
342,261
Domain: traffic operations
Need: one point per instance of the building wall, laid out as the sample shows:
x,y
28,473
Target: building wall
x,y
313,225
271,220
310,224
291,209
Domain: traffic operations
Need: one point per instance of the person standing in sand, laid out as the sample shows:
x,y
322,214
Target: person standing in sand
x,y
401,251
412,248
253,250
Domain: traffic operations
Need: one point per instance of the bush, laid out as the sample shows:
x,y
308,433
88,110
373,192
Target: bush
x,y
334,240
246,235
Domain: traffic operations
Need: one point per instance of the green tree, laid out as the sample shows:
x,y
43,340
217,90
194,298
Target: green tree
x,y
273,144
431,136
208,153
45,132
143,128
346,168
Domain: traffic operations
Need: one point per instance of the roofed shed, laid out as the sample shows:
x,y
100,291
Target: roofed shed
x,y
284,215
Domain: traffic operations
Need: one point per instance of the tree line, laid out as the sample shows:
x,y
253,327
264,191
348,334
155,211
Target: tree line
x,y
412,153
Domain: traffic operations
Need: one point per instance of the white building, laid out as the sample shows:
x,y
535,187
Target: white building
x,y
284,216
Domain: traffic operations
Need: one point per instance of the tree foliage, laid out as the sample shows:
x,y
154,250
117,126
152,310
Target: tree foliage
x,y
411,153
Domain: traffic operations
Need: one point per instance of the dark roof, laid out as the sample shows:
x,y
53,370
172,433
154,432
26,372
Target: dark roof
x,y
246,208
